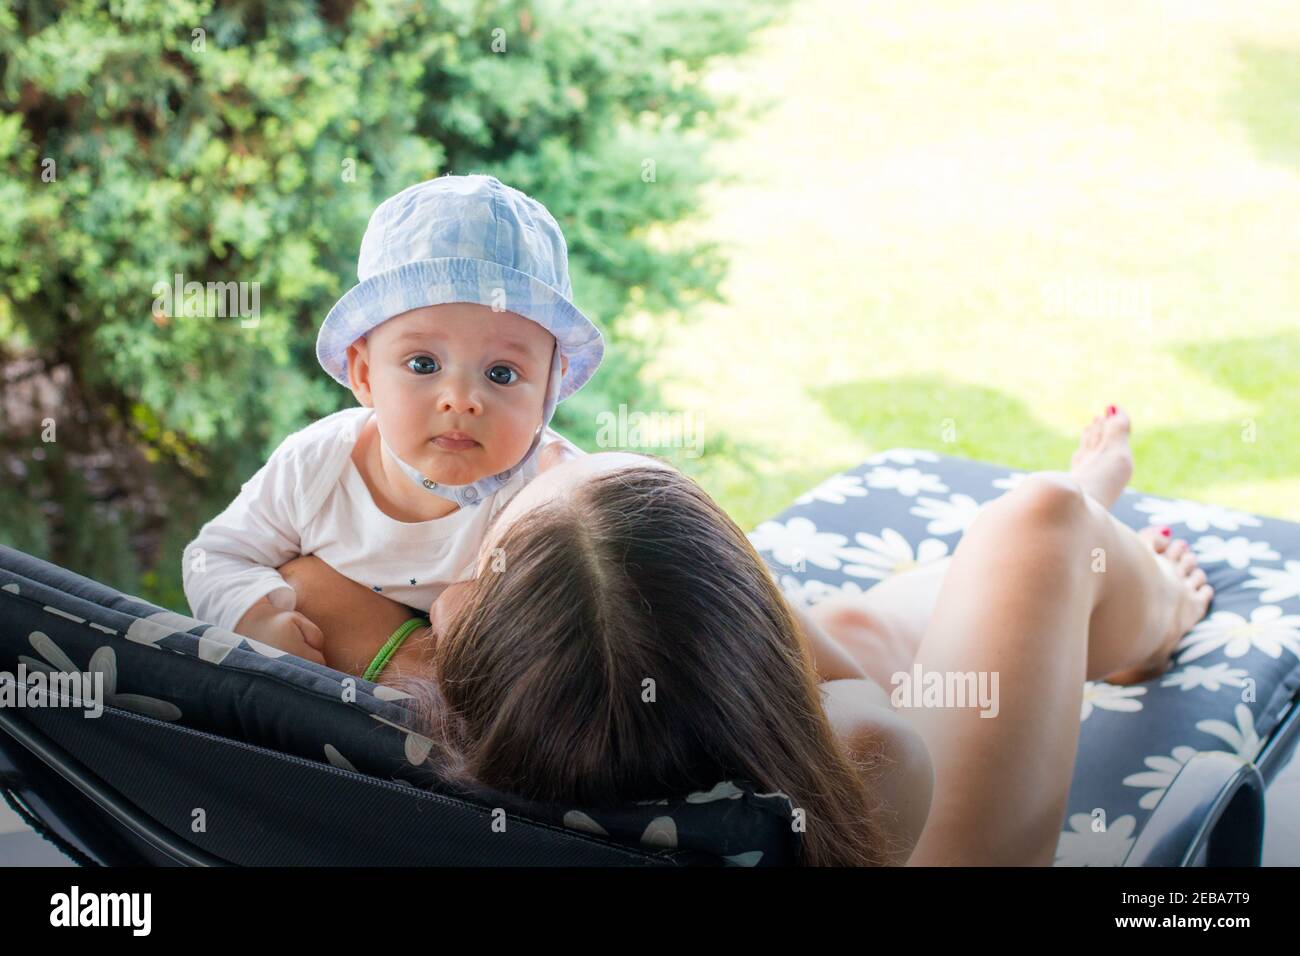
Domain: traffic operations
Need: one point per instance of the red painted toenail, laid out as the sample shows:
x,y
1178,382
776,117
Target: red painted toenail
x,y
1166,532
1110,410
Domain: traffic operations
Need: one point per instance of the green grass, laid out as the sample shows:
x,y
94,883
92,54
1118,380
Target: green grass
x,y
1005,216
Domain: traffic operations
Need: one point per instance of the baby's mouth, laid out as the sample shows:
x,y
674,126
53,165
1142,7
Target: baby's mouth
x,y
455,441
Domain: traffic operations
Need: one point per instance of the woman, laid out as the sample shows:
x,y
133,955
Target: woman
x,y
628,642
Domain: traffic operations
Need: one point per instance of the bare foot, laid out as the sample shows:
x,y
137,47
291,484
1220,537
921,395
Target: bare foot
x,y
1103,462
1186,598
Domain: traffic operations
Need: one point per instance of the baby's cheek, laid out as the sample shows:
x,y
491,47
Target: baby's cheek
x,y
514,442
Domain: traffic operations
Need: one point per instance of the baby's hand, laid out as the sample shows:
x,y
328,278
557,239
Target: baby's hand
x,y
287,630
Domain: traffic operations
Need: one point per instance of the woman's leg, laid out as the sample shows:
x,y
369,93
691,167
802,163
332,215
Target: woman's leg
x,y
881,628
1025,598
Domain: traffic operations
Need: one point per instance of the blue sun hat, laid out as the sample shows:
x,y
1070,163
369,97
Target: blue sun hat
x,y
465,239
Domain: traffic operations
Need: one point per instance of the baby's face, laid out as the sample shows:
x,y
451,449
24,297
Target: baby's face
x,y
458,389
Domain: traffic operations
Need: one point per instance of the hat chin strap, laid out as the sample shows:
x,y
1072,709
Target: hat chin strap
x,y
472,494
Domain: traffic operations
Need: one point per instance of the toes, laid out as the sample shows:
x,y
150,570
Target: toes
x,y
1177,549
1119,421
1153,535
1204,594
1186,563
1196,578
1089,436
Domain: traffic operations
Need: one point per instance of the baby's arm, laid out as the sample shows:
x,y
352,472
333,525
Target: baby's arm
x,y
229,570
290,631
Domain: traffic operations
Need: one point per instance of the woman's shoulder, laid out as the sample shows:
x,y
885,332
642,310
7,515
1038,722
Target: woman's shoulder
x,y
555,448
895,760
859,706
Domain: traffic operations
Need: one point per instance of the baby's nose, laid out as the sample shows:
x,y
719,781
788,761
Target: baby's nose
x,y
460,399
459,405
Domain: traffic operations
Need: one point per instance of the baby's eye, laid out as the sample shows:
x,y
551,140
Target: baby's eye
x,y
422,365
500,374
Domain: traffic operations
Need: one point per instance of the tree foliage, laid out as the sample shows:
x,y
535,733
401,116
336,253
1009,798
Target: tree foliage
x,y
249,142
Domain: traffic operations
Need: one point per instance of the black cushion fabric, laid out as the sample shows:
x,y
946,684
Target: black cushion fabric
x,y
230,802
1234,673
176,669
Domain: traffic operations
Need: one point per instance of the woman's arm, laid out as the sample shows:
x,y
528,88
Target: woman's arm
x,y
354,620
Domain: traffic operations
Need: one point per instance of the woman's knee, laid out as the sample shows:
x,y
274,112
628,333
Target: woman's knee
x,y
845,619
1045,499
870,637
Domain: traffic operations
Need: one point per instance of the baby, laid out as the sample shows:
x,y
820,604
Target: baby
x,y
458,341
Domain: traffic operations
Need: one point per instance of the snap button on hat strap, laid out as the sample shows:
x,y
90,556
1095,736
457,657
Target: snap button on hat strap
x,y
416,476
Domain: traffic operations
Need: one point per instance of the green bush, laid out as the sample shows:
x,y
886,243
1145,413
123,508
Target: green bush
x,y
249,142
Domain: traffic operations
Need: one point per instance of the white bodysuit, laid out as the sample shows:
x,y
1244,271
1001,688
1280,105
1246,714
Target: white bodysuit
x,y
309,498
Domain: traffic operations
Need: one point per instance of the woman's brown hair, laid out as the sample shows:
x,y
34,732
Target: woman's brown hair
x,y
627,643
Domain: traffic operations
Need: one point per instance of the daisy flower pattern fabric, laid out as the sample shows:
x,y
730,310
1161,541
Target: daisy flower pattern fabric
x,y
1232,674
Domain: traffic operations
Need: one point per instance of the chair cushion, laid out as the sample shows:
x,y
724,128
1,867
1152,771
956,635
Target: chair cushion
x,y
175,668
1234,673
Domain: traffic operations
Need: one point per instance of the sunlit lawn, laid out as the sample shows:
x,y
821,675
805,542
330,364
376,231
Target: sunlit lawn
x,y
1002,217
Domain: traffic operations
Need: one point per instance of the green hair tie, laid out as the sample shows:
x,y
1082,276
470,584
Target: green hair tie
x,y
391,645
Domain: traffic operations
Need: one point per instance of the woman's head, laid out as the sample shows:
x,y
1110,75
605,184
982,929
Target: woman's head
x,y
623,641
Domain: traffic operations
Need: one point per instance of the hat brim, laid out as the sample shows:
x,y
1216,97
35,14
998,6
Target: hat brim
x,y
424,282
